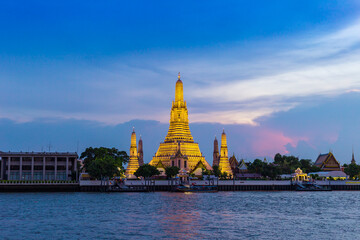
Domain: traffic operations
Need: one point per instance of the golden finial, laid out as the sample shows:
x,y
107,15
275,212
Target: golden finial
x,y
179,76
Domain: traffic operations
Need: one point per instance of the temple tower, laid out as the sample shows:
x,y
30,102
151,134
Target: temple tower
x,y
141,153
353,158
216,153
179,136
224,164
133,164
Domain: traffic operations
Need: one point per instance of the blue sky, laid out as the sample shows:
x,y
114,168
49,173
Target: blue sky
x,y
279,76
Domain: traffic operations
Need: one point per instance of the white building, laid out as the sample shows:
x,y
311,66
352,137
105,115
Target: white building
x,y
37,165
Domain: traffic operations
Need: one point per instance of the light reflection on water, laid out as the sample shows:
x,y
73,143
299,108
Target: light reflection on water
x,y
164,215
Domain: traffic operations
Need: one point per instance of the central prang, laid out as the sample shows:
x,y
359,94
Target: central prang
x,y
179,148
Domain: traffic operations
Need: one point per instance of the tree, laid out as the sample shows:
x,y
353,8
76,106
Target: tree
x,y
104,162
172,171
352,170
224,176
256,166
216,171
146,171
204,171
271,170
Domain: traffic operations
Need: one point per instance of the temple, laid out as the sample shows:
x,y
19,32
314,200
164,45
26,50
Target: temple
x,y
224,164
179,148
140,152
133,164
216,155
353,158
327,162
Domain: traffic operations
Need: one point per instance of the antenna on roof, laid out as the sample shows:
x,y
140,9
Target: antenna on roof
x,y
49,146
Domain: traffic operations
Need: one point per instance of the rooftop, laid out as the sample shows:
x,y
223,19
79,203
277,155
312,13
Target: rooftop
x,y
72,154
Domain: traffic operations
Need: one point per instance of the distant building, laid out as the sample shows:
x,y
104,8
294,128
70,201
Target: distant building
x,y
327,162
353,158
37,165
141,152
242,166
233,164
216,155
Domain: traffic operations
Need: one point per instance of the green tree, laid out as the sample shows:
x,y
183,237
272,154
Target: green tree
x,y
204,171
224,176
146,171
271,171
104,162
216,171
256,167
352,170
172,171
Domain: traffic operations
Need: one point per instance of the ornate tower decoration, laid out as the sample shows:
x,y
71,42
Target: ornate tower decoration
x,y
141,153
179,137
216,153
353,157
224,164
133,164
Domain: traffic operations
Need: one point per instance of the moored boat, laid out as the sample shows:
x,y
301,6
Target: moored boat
x,y
310,186
197,188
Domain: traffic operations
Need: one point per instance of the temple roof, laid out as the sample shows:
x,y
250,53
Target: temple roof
x,y
200,164
242,165
233,162
324,162
321,159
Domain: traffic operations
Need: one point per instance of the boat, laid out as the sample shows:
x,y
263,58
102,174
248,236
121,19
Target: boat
x,y
197,188
310,186
118,187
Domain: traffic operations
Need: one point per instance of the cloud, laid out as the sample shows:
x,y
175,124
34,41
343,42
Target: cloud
x,y
311,71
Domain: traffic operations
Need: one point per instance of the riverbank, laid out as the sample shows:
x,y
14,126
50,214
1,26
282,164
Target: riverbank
x,y
165,185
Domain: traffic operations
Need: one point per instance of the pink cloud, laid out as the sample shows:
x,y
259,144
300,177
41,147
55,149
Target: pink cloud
x,y
268,142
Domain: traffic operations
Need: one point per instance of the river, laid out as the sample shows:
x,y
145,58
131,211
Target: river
x,y
165,215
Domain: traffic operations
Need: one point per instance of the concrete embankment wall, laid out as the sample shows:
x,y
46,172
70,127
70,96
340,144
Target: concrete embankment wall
x,y
161,185
39,188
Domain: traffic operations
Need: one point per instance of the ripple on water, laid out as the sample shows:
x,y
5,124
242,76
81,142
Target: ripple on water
x,y
163,215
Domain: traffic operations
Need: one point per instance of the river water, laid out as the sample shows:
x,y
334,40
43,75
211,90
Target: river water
x,y
165,215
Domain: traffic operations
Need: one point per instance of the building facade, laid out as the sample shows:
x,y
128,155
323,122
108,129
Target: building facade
x,y
38,165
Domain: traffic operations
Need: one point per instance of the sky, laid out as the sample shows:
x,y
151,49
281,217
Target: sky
x,y
278,76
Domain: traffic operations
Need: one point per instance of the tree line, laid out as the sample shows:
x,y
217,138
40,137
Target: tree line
x,y
109,162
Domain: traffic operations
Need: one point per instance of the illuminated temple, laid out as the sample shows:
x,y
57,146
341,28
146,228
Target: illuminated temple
x,y
179,148
133,164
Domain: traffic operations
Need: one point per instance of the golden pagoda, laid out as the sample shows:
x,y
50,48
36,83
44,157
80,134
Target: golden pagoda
x,y
133,164
179,148
224,164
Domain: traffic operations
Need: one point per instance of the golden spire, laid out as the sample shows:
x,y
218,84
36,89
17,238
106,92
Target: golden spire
x,y
223,139
224,163
133,164
133,148
179,94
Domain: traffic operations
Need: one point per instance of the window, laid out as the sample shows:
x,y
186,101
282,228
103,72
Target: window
x,y
26,167
179,161
172,164
38,167
185,166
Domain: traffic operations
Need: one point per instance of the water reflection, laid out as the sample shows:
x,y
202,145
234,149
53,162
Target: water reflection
x,y
222,215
